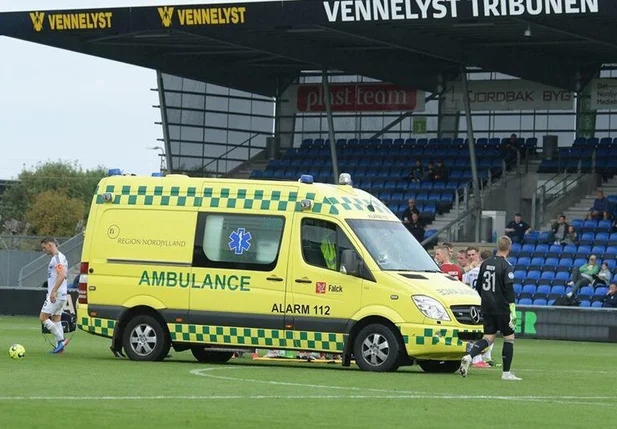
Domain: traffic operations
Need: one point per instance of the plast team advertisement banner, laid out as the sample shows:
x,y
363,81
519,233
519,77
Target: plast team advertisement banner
x,y
514,94
368,97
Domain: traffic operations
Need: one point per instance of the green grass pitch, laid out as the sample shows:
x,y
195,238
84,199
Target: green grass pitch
x,y
565,384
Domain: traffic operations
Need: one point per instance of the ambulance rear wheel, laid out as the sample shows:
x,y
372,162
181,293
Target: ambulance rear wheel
x,y
436,366
203,355
376,348
145,339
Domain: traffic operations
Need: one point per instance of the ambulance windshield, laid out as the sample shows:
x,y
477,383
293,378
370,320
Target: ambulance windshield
x,y
392,247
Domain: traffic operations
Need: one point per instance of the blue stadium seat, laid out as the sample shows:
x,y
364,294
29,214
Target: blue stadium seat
x,y
585,303
533,274
540,302
525,301
516,247
577,224
596,304
522,263
547,275
604,226
600,291
551,263
541,250
584,251
537,262
578,262
531,237
555,250
612,264
558,290
512,260
589,225
518,288
587,238
521,275
542,292
563,276
598,250
601,238
543,237
611,250
585,293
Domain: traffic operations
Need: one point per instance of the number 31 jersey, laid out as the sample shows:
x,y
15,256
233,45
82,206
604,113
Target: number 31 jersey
x,y
494,285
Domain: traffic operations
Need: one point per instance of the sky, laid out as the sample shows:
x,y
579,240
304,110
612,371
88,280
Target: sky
x,y
57,104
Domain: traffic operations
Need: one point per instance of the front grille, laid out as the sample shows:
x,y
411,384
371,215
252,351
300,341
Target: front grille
x,y
464,314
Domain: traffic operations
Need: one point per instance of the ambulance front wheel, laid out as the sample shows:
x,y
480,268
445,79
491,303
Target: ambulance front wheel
x,y
145,339
203,355
376,348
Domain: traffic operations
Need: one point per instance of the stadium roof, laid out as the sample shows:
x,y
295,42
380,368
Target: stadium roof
x,y
261,47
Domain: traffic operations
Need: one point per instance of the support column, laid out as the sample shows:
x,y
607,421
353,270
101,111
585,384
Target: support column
x,y
472,152
326,87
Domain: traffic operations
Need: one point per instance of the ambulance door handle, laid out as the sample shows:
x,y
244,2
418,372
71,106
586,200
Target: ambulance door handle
x,y
303,280
274,279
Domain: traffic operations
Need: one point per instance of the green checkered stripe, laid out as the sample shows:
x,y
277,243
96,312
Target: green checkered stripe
x,y
94,325
253,199
256,337
429,336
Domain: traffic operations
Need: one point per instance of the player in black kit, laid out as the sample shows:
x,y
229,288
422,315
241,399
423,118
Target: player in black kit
x,y
494,284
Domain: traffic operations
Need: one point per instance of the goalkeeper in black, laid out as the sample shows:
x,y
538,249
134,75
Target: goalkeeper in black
x,y
494,285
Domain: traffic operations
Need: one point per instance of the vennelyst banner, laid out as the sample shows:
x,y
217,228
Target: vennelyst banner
x,y
511,94
603,94
392,10
72,21
360,97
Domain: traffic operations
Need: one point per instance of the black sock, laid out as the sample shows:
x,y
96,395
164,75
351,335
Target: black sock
x,y
478,347
507,354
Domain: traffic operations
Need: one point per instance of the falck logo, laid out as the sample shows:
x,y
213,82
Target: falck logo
x,y
166,13
320,287
475,315
37,20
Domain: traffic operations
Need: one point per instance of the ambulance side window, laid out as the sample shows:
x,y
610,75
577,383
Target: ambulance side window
x,y
237,241
322,243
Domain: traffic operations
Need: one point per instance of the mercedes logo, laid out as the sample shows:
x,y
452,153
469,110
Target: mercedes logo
x,y
475,315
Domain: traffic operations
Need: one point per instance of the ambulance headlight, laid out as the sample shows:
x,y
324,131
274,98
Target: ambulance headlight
x,y
430,307
345,179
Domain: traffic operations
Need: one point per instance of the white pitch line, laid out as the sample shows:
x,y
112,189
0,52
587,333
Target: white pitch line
x,y
553,400
401,393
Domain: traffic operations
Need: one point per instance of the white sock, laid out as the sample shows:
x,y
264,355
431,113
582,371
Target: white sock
x,y
489,353
477,359
53,328
61,328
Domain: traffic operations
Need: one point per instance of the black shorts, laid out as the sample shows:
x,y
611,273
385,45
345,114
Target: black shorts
x,y
497,322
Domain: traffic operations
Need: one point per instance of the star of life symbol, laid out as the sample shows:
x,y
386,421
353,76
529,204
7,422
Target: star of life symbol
x,y
240,241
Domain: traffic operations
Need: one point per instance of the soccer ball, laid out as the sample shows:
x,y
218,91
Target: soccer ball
x,y
17,351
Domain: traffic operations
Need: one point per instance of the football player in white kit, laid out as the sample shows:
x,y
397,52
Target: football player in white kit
x,y
57,273
469,278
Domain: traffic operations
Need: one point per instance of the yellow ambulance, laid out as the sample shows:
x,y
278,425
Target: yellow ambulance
x,y
222,265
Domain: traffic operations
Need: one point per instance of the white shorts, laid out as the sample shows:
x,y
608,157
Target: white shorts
x,y
53,308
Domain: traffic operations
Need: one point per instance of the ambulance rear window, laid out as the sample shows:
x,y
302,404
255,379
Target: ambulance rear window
x,y
239,241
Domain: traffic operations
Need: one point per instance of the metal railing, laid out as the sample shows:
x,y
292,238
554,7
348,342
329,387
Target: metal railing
x,y
34,274
551,192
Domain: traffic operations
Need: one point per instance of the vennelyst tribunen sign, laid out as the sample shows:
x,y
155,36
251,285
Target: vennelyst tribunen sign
x,y
390,10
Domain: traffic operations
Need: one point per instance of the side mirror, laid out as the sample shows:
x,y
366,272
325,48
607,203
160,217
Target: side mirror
x,y
350,262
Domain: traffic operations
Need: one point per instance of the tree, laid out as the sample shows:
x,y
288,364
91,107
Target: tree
x,y
66,178
54,213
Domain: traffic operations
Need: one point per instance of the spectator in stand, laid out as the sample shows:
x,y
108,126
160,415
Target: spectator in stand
x,y
583,276
559,230
417,172
509,149
411,209
429,173
416,227
461,259
603,278
442,257
440,173
601,207
571,236
610,300
517,229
